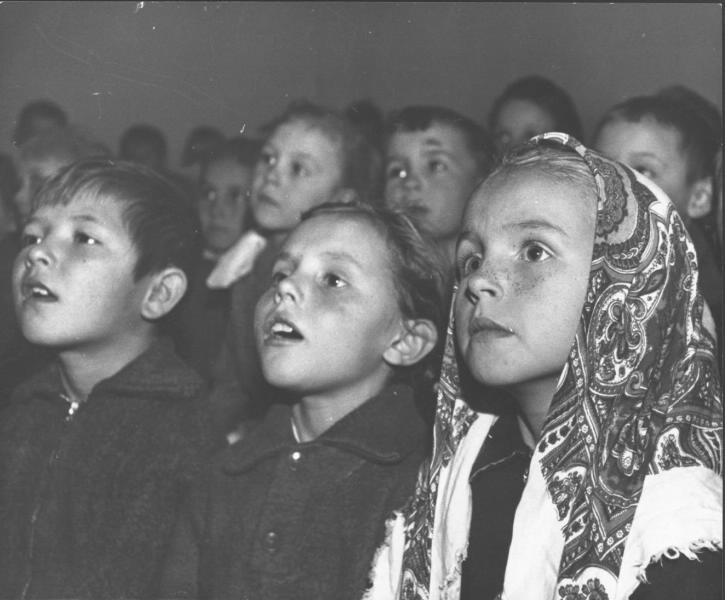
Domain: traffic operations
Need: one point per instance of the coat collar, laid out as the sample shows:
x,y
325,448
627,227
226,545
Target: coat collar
x,y
384,430
156,371
503,443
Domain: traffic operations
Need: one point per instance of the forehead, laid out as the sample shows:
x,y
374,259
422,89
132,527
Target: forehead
x,y
304,136
621,138
439,136
339,234
102,208
529,196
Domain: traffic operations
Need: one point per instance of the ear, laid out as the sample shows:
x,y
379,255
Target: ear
x,y
344,196
699,203
164,291
417,337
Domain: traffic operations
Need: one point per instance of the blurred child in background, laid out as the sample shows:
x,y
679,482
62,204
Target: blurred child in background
x,y
198,146
434,158
529,106
667,141
199,325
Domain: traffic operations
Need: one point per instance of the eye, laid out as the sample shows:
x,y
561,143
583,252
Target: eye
x,y
535,252
397,172
268,157
332,280
469,264
28,239
277,277
299,170
437,166
85,239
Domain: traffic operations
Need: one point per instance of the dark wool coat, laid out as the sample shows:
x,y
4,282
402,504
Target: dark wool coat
x,y
281,520
87,503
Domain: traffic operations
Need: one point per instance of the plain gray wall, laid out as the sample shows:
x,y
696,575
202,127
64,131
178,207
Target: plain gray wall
x,y
237,64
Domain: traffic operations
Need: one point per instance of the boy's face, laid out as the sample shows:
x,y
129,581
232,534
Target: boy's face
x,y
523,262
430,174
519,120
300,167
223,203
654,150
323,325
73,283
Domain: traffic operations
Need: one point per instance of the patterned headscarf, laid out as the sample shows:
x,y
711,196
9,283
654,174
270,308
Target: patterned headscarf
x,y
628,465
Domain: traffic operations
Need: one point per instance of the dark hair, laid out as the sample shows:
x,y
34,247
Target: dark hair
x,y
417,270
142,135
242,150
420,118
360,172
37,109
199,143
546,94
163,227
697,139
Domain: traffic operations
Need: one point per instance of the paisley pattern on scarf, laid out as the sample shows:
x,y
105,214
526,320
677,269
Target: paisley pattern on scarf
x,y
640,393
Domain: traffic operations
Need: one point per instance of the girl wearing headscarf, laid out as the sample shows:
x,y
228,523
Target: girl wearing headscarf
x,y
577,304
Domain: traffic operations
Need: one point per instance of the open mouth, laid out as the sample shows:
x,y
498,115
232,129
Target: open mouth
x,y
263,198
37,291
282,330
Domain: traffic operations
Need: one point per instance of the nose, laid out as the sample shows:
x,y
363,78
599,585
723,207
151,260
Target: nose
x,y
287,290
484,282
38,254
411,180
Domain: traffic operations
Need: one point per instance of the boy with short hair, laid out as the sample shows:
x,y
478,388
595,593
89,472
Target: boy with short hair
x,y
96,450
434,159
670,143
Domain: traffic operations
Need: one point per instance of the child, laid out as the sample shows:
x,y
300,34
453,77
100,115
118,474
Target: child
x,y
39,158
96,450
577,299
530,106
311,155
38,117
225,183
297,508
199,145
667,141
434,159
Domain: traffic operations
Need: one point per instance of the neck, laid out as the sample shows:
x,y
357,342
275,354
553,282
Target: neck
x,y
533,400
315,414
81,371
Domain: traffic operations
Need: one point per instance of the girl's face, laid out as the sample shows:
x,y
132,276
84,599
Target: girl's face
x,y
300,167
523,263
223,203
331,311
519,120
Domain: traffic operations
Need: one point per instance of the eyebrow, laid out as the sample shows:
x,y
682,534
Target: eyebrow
x,y
536,224
469,235
333,255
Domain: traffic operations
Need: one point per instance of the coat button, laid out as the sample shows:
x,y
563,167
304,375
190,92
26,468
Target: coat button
x,y
294,459
271,542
